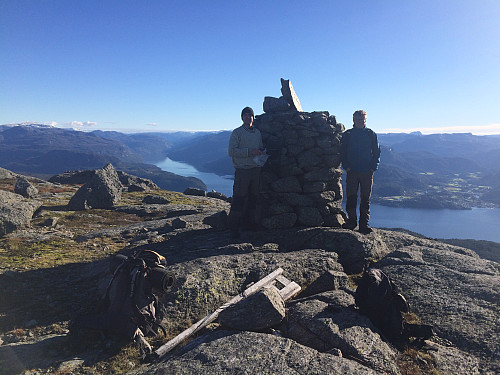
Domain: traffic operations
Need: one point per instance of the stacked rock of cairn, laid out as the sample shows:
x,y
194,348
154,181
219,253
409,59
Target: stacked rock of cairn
x,y
301,181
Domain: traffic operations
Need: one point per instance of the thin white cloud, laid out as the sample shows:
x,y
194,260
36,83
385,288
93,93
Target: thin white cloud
x,y
152,124
477,130
80,124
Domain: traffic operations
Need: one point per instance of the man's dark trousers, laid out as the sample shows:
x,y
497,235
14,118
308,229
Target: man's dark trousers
x,y
363,181
244,202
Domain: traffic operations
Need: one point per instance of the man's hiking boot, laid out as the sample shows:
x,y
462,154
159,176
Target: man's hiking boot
x,y
365,229
349,225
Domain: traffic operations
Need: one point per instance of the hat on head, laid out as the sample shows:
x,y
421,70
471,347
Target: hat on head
x,y
247,110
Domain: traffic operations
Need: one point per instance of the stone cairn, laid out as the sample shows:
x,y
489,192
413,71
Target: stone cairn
x,y
301,181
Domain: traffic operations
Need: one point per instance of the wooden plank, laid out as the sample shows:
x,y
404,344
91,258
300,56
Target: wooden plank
x,y
262,282
283,280
164,349
290,290
273,286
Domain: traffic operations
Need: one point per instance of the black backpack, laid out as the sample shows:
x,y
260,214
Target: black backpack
x,y
130,305
378,298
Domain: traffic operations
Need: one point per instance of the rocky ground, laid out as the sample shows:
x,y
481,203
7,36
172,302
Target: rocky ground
x,y
55,265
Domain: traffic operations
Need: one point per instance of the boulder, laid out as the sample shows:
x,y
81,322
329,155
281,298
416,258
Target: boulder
x,y
272,104
260,311
179,223
155,199
353,248
217,220
73,177
195,192
224,352
39,352
134,183
6,174
217,195
328,321
15,211
329,280
450,360
25,188
104,190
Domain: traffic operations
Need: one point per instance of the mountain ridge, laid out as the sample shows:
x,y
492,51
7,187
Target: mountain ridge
x,y
43,151
456,171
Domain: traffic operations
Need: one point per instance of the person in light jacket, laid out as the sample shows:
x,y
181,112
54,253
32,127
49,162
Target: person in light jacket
x,y
360,156
244,144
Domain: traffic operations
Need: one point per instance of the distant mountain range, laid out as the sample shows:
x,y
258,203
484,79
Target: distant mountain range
x,y
43,151
416,170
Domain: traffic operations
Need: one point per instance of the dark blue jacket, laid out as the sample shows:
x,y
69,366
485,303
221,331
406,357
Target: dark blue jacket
x,y
360,150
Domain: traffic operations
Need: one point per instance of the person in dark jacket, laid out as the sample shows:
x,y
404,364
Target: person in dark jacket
x,y
360,155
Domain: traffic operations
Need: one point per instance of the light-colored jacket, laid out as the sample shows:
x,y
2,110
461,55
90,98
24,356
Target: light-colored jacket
x,y
241,144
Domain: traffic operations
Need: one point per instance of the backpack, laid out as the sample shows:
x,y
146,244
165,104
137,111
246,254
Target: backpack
x,y
130,305
378,298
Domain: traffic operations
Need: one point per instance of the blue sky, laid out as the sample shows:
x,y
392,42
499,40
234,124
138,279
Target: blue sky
x,y
193,65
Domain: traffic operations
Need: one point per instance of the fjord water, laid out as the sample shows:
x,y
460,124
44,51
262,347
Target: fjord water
x,y
222,184
478,223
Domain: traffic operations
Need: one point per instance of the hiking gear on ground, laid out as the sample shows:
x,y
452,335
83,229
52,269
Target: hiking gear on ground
x,y
130,307
377,297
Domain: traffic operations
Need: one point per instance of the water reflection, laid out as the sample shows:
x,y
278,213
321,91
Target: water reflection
x,y
222,184
478,223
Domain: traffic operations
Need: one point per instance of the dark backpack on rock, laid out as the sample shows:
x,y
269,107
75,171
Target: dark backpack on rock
x,y
378,298
130,305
